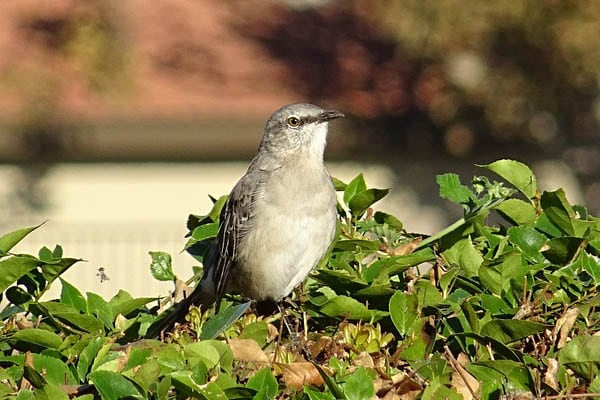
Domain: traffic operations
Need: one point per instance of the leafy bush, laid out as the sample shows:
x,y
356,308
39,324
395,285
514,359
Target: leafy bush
x,y
478,310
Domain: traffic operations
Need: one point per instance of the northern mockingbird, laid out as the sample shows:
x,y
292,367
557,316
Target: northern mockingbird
x,y
280,217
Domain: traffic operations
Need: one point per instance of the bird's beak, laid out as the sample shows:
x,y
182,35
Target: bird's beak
x,y
329,115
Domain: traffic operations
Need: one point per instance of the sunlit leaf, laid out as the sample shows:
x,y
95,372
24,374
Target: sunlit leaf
x,y
452,189
517,174
9,240
160,267
355,186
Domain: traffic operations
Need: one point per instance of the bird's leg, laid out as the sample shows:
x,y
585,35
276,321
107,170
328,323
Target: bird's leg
x,y
293,335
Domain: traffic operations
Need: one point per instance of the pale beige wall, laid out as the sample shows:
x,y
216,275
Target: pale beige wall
x,y
113,214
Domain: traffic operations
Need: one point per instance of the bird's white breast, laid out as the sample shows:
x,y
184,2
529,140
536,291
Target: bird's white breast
x,y
296,226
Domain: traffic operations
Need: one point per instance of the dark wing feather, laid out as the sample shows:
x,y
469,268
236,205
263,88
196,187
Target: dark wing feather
x,y
235,219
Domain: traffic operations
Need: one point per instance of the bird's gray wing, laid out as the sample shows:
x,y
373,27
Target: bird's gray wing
x,y
235,220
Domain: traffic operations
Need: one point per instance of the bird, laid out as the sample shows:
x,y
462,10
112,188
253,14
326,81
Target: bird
x,y
279,219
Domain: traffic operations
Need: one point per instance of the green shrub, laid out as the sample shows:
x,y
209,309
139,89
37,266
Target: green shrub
x,y
478,310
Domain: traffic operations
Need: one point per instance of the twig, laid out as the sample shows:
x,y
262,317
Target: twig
x,y
460,370
569,396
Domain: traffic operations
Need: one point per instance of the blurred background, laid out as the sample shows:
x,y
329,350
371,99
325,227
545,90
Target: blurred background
x,y
119,117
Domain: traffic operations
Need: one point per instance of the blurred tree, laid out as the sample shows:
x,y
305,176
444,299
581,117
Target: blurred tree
x,y
509,69
60,44
458,75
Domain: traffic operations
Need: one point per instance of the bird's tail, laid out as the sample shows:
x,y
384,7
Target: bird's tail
x,y
203,296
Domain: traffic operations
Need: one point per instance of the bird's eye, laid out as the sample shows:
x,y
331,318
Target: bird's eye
x,y
293,122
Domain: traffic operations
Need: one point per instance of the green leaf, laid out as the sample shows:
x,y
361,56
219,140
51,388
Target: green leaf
x,y
137,356
113,386
497,278
561,250
338,185
465,255
34,377
264,381
416,345
348,307
205,231
355,244
160,267
257,331
517,174
359,385
510,330
594,385
403,311
184,382
67,315
529,240
489,379
590,264
517,374
384,218
210,352
55,371
9,240
582,355
39,337
452,189
544,225
52,271
397,264
25,394
87,355
50,392
170,359
558,210
215,212
438,389
146,373
316,395
427,294
122,303
361,201
355,186
217,324
13,268
45,255
99,307
333,387
18,296
517,211
71,296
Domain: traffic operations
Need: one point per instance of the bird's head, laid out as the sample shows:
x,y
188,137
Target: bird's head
x,y
298,127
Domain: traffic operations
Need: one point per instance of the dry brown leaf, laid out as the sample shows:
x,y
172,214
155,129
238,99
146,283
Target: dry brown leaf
x,y
391,395
462,381
315,348
550,375
406,248
247,350
462,359
364,359
273,332
465,383
564,326
382,386
181,291
397,394
404,384
300,374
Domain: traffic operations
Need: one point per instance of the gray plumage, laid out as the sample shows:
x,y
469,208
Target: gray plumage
x,y
280,217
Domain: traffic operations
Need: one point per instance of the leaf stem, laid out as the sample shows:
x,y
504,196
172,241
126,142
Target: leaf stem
x,y
441,233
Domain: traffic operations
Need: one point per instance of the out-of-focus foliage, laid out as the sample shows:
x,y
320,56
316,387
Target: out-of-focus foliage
x,y
473,72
